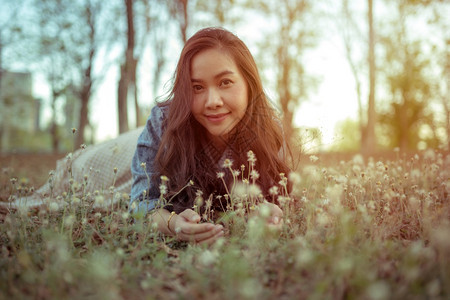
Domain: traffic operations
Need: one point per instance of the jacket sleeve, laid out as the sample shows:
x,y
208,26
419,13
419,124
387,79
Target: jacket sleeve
x,y
145,189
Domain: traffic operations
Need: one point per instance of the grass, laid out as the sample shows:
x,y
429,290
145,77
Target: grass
x,y
355,229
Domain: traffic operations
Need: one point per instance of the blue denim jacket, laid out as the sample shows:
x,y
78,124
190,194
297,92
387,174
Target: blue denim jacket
x,y
146,149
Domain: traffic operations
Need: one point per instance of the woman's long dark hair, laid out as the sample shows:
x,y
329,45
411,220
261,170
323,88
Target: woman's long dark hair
x,y
184,156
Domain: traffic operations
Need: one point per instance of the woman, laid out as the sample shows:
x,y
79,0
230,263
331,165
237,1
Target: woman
x,y
215,113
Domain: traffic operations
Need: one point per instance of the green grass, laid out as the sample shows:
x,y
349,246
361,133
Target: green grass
x,y
355,230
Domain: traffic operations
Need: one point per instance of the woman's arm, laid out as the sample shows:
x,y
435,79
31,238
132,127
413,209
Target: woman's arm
x,y
145,191
185,226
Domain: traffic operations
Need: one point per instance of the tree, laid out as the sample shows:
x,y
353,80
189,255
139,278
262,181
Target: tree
x,y
219,12
68,41
127,82
410,89
351,35
368,137
440,24
179,11
292,34
10,33
51,42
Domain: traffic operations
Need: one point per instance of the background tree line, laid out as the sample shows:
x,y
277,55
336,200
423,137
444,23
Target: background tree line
x,y
401,75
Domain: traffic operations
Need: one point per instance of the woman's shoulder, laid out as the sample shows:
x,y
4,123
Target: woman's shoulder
x,y
155,126
157,115
159,112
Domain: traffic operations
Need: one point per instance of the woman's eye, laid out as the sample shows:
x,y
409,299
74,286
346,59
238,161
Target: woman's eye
x,y
225,82
197,88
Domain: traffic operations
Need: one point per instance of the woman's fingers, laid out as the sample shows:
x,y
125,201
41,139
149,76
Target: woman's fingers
x,y
202,236
190,216
212,239
194,228
188,229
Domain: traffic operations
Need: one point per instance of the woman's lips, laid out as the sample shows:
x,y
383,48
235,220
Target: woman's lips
x,y
217,118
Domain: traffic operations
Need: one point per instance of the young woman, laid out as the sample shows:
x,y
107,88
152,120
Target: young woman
x,y
215,113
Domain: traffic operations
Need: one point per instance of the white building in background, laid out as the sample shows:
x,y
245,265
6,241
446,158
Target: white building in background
x,y
19,110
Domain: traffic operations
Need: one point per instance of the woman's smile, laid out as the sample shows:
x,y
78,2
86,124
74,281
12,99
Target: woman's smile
x,y
217,118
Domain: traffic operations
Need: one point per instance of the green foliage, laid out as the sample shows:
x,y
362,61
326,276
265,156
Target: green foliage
x,y
357,229
406,69
348,136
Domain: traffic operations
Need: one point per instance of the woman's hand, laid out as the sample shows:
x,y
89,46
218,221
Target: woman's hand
x,y
187,228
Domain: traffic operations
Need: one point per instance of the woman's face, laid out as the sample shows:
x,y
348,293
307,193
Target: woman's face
x,y
219,90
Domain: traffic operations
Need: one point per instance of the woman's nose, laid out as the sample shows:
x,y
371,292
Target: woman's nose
x,y
214,99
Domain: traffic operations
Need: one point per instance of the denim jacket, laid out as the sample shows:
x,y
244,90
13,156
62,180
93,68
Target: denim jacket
x,y
142,165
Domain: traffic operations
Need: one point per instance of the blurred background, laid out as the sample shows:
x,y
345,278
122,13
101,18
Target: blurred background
x,y
349,76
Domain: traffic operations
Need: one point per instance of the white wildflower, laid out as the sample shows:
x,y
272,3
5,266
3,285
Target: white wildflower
x,y
69,220
253,190
295,178
358,160
54,206
207,257
162,189
254,174
227,163
264,210
334,192
99,200
313,158
251,156
429,155
273,191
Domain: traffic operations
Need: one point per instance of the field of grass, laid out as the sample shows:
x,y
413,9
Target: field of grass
x,y
353,229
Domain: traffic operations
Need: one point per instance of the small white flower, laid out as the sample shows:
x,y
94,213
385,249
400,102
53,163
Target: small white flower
x,y
358,159
429,155
162,189
313,158
273,191
227,163
294,178
99,200
54,206
254,190
251,156
254,174
264,210
69,220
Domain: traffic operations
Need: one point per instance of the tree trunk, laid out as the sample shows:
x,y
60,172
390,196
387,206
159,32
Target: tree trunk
x,y
122,106
86,89
178,10
83,120
354,69
128,75
53,126
370,139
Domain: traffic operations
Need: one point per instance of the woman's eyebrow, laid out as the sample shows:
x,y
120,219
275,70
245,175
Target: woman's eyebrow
x,y
226,72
